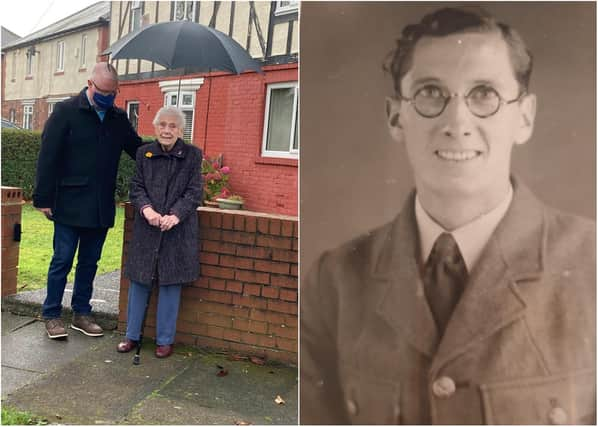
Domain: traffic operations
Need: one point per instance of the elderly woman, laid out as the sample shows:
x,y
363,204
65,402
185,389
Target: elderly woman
x,y
165,191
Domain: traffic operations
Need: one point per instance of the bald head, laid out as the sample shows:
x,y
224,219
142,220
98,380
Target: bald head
x,y
102,86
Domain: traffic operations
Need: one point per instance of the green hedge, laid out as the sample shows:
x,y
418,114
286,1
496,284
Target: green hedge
x,y
19,157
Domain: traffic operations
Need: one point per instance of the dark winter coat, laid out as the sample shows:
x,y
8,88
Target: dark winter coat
x,y
78,162
171,183
520,347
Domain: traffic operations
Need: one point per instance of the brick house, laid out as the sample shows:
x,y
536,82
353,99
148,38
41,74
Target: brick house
x,y
251,118
51,64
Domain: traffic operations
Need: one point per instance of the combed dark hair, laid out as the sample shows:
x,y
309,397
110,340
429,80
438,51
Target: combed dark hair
x,y
449,21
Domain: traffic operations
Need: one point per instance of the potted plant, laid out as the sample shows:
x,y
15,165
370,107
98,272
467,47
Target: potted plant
x,y
215,180
233,201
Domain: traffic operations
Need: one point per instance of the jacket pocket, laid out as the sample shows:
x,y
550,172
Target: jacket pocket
x,y
74,181
370,401
558,399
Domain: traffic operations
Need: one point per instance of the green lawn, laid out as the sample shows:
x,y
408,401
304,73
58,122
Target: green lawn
x,y
11,416
36,249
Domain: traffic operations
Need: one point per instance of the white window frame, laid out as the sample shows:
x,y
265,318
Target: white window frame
x,y
136,16
184,87
28,116
291,7
12,115
82,53
129,104
185,10
292,153
60,56
28,65
183,107
52,103
13,71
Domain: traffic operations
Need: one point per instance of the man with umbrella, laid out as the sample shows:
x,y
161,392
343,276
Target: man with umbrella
x,y
77,165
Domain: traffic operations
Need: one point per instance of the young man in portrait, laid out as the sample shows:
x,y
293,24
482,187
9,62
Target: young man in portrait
x,y
476,304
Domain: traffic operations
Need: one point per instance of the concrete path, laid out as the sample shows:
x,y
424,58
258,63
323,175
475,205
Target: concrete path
x,y
83,380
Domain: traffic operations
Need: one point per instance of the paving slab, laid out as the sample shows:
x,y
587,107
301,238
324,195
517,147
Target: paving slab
x,y
247,393
30,348
13,379
99,387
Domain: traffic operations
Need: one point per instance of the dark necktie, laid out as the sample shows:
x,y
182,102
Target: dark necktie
x,y
445,275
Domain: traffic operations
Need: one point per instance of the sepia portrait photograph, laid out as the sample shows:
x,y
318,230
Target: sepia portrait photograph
x,y
447,212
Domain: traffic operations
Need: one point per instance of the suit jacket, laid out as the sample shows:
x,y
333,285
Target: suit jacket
x,y
78,162
518,349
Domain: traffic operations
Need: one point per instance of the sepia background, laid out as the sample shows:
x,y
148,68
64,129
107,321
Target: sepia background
x,y
353,177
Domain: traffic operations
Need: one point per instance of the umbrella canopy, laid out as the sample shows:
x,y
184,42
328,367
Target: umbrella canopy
x,y
179,44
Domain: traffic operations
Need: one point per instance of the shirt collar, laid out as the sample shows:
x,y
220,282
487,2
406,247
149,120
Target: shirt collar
x,y
471,237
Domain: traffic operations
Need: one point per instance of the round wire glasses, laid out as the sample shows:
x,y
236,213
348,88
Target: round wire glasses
x,y
483,100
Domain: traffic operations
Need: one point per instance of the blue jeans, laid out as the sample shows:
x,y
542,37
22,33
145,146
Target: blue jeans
x,y
66,240
168,311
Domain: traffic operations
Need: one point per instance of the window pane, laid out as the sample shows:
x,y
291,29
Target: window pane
x,y
187,133
82,53
279,119
187,99
179,10
134,115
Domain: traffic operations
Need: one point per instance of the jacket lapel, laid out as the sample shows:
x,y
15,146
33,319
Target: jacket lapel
x,y
491,299
402,300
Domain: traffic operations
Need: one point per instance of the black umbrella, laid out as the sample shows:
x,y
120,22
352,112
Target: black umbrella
x,y
185,44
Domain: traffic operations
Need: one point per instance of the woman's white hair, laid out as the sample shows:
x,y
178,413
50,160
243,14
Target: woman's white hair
x,y
173,112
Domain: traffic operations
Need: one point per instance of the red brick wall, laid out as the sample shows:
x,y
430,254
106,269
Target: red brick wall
x,y
235,128
12,199
245,300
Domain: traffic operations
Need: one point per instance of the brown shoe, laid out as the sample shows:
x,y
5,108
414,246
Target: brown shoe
x,y
164,350
55,328
126,346
87,325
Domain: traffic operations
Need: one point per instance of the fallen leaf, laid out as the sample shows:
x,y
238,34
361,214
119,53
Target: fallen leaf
x,y
242,423
108,361
58,416
220,367
178,407
222,373
279,400
257,360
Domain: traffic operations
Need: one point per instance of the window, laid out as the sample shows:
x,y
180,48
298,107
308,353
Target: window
x,y
135,16
60,56
283,7
27,117
12,115
184,10
29,66
133,113
82,59
13,72
281,134
50,108
186,104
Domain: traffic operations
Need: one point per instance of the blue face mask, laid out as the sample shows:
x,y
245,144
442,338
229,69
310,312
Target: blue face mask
x,y
103,101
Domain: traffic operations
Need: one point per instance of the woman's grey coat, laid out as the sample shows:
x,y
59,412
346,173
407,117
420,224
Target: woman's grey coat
x,y
171,182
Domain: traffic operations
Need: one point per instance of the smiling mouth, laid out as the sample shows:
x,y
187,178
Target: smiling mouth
x,y
458,156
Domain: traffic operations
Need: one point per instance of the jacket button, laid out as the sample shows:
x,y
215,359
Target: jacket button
x,y
557,416
397,412
443,387
352,407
